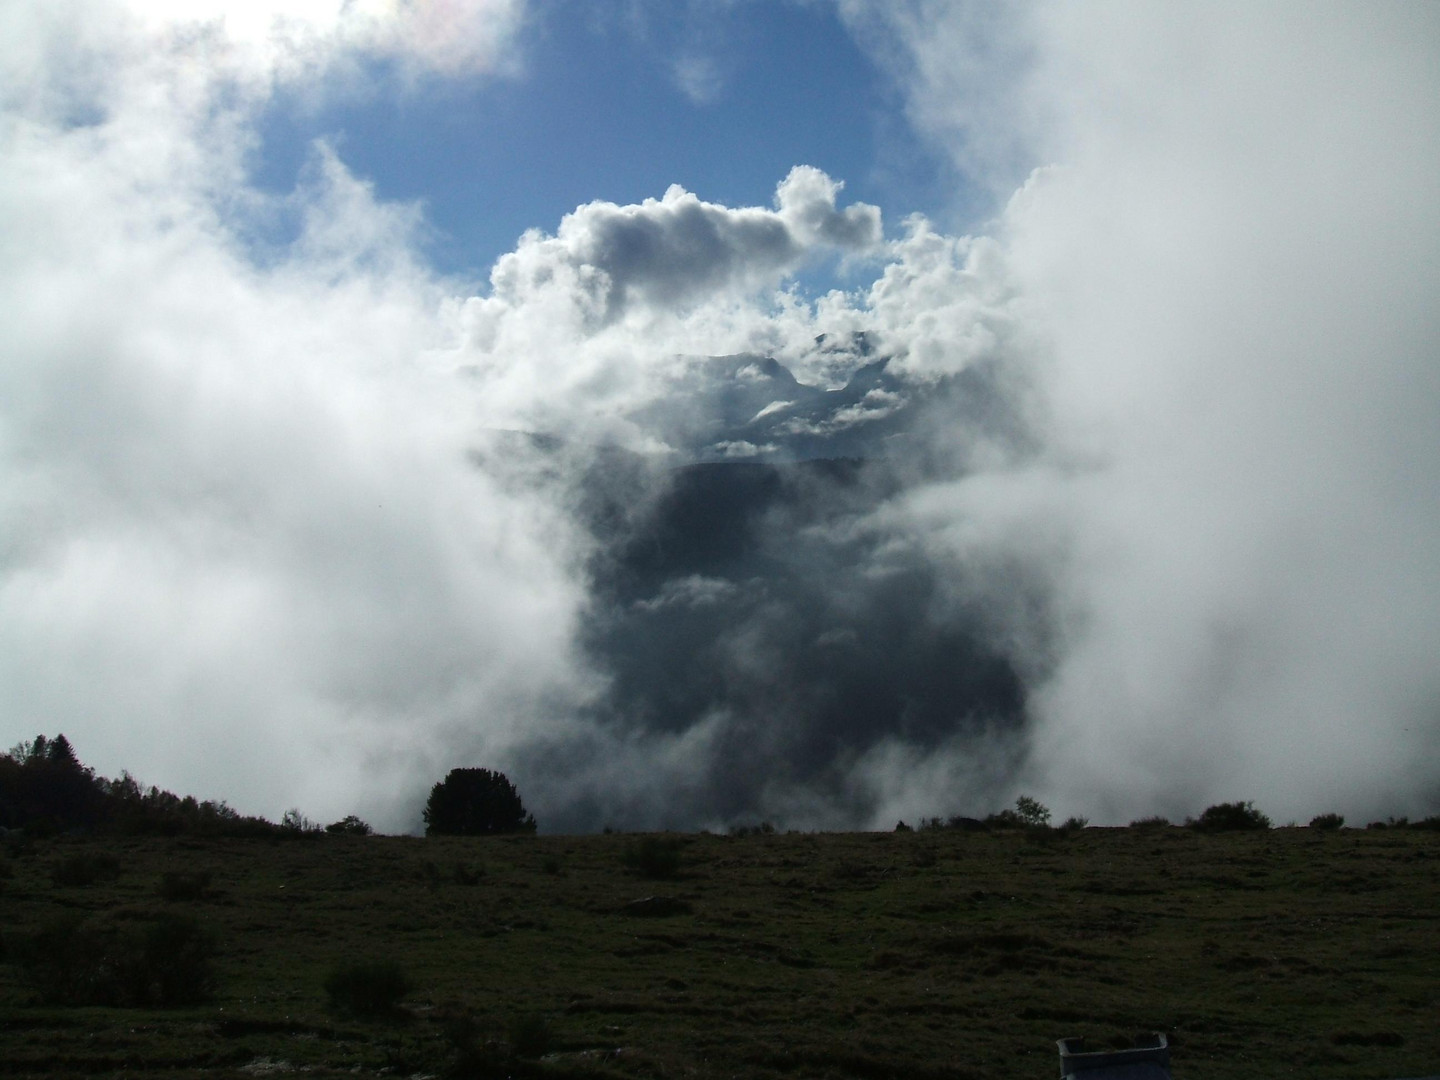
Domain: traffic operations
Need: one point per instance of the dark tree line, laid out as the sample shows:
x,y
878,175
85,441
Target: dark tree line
x,y
45,788
43,782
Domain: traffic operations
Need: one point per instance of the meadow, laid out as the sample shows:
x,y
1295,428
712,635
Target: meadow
x,y
925,954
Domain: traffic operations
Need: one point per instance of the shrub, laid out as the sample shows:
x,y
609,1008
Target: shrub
x,y
1075,824
1327,821
176,968
966,824
368,988
61,961
1033,814
1004,819
653,857
475,802
1156,821
166,963
1230,817
177,885
763,829
84,870
349,826
294,823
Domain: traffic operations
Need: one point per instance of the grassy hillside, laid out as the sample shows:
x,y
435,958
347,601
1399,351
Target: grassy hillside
x,y
937,953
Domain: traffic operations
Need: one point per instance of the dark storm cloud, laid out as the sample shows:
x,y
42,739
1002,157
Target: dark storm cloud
x,y
751,604
782,620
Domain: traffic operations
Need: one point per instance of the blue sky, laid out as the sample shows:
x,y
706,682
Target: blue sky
x,y
595,108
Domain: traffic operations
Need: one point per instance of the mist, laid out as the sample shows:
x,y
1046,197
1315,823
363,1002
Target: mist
x,y
1124,497
1229,250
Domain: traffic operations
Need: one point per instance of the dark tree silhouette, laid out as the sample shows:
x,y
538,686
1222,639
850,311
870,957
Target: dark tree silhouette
x,y
44,787
475,802
349,826
1230,817
43,784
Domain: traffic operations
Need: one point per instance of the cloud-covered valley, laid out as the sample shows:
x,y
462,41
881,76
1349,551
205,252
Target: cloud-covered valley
x,y
1127,499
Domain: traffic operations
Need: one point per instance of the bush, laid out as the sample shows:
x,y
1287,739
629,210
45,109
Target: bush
x,y
966,824
1075,824
349,826
653,857
166,963
176,955
1230,817
1033,814
1155,821
1004,819
762,829
84,870
1327,821
475,802
294,823
177,885
369,988
1028,814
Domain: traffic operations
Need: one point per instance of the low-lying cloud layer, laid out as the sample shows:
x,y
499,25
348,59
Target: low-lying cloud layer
x,y
1130,503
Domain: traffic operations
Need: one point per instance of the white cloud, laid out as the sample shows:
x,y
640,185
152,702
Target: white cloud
x,y
287,39
1234,268
256,558
253,560
622,293
668,253
741,448
699,78
772,408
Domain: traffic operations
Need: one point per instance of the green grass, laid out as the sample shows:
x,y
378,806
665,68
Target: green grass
x,y
1287,952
